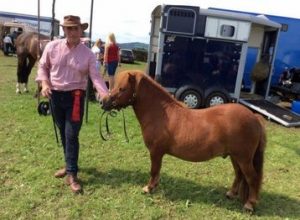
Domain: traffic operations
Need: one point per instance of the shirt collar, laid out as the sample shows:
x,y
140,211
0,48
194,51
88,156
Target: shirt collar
x,y
66,43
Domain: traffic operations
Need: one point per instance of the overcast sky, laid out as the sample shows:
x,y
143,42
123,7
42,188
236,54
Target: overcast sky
x,y
130,19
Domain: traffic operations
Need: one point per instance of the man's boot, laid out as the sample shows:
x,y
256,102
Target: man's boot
x,y
60,173
73,182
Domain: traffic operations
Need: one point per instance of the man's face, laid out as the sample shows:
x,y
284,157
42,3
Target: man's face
x,y
73,34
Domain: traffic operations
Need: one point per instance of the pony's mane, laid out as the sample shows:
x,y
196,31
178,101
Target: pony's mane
x,y
157,86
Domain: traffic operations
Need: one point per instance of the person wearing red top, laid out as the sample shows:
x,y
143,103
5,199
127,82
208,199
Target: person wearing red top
x,y
63,73
111,58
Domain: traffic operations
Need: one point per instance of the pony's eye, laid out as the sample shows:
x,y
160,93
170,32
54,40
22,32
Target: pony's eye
x,y
122,89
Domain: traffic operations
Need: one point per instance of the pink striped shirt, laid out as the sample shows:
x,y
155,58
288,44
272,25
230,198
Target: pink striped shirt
x,y
67,69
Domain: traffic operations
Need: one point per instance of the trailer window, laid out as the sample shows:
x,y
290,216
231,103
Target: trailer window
x,y
180,20
227,30
201,62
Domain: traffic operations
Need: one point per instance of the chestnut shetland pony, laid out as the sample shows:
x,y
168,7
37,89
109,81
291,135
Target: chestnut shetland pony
x,y
29,49
168,127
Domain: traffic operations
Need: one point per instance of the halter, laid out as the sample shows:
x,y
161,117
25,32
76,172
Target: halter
x,y
131,100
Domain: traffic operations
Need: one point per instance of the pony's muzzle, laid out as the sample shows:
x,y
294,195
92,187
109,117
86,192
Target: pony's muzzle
x,y
106,104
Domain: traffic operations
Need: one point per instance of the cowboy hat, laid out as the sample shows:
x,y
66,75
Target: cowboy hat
x,y
73,21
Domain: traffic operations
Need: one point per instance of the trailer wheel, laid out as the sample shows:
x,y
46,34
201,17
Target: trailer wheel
x,y
191,98
216,98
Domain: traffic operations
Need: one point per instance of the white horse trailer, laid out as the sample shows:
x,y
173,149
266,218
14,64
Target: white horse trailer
x,y
199,54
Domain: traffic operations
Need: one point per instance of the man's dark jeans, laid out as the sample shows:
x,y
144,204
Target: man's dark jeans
x,y
62,104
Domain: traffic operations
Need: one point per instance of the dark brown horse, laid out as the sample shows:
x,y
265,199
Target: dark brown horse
x,y
168,127
29,49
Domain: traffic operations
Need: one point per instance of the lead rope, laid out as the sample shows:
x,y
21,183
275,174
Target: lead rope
x,y
53,121
111,114
124,127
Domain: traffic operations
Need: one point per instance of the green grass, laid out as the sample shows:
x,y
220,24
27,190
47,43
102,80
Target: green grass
x,y
113,172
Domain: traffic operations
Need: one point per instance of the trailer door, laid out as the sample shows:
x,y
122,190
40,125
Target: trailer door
x,y
251,59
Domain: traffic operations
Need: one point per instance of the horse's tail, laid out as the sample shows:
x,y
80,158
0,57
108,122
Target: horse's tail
x,y
258,161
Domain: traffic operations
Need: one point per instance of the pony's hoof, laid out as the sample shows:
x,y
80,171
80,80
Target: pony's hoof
x,y
26,90
248,207
18,92
147,189
231,195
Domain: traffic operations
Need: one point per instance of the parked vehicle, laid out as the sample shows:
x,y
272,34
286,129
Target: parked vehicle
x,y
199,54
13,24
126,56
30,23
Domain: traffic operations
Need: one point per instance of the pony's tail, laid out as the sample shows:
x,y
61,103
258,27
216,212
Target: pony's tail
x,y
258,161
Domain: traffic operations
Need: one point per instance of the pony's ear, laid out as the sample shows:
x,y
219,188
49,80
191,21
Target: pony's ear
x,y
131,78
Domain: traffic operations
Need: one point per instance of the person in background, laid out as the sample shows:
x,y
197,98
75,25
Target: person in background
x,y
111,58
63,74
7,45
14,36
96,49
86,41
102,51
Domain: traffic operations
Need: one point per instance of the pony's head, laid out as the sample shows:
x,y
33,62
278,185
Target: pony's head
x,y
124,92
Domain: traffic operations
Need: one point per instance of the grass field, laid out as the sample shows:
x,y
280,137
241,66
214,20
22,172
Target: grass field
x,y
114,172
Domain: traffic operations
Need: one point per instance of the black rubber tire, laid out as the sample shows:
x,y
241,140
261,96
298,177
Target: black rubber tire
x,y
191,98
216,98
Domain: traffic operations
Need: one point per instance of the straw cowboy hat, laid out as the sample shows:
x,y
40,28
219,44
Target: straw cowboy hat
x,y
73,21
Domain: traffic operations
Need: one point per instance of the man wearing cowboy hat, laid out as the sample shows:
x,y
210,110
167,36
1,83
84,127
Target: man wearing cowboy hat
x,y
63,73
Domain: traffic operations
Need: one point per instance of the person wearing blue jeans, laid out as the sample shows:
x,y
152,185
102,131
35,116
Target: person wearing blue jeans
x,y
63,73
69,127
111,58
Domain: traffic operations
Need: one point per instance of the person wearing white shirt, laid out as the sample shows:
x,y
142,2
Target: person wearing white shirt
x,y
7,47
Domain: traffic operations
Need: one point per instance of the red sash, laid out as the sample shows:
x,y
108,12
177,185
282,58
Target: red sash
x,y
76,105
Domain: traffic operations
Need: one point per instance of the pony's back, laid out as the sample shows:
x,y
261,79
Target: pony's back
x,y
28,43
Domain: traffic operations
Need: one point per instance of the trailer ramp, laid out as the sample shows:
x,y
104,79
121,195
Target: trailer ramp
x,y
272,111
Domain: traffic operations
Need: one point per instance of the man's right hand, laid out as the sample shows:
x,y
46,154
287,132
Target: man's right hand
x,y
46,90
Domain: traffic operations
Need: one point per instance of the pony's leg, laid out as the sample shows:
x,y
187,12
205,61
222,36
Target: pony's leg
x,y
233,192
25,88
253,182
28,71
18,91
156,161
22,66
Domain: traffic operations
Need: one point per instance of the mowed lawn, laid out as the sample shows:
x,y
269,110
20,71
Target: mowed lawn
x,y
113,172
